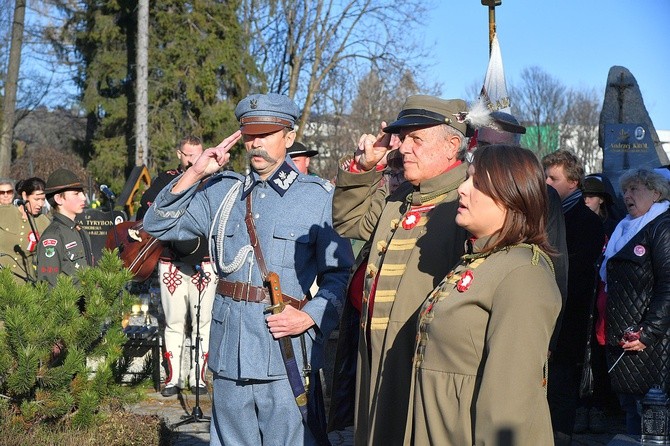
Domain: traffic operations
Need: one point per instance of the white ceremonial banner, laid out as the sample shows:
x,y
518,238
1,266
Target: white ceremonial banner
x,y
494,91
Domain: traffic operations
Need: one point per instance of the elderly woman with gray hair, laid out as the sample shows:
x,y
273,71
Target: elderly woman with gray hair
x,y
636,269
6,191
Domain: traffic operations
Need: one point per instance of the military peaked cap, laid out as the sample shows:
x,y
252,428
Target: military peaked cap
x,y
266,113
423,111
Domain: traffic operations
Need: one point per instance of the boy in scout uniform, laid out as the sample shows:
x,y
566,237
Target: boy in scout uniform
x,y
64,247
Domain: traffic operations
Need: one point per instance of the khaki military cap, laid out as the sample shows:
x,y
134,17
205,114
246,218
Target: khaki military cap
x,y
423,111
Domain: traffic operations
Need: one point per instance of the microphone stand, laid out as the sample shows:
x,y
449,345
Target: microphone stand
x,y
31,222
2,254
112,205
19,251
196,415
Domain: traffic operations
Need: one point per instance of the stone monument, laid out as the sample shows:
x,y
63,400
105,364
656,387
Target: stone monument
x,y
626,133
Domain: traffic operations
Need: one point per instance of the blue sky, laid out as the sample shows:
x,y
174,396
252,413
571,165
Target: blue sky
x,y
575,41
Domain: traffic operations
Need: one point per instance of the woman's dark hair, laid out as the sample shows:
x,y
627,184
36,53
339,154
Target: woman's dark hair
x,y
513,177
30,185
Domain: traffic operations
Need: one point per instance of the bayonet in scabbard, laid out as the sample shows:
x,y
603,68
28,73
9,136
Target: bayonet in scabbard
x,y
276,297
286,345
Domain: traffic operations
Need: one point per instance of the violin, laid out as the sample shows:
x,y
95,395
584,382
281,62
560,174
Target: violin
x,y
138,250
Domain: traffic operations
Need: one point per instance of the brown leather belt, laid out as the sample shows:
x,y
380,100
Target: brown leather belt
x,y
243,292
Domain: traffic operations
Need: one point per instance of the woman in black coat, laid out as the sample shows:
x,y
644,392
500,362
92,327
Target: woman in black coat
x,y
636,269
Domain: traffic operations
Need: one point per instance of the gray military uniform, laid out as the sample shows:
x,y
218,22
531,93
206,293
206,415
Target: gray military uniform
x,y
292,214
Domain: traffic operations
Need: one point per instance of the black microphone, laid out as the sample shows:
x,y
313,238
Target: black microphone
x,y
19,202
19,251
107,191
201,273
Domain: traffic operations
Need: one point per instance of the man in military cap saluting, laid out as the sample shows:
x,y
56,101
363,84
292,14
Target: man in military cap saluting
x,y
288,216
415,243
64,247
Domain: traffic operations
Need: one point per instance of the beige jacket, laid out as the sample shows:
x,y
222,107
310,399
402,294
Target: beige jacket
x,y
481,349
17,251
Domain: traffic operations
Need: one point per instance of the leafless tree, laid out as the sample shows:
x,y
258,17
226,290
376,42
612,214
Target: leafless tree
x,y
580,128
302,45
41,163
6,11
11,86
379,98
38,79
540,102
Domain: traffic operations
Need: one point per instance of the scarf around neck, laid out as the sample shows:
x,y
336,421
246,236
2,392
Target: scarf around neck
x,y
571,200
626,230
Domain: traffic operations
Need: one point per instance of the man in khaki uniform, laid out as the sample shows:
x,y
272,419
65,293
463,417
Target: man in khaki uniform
x,y
415,243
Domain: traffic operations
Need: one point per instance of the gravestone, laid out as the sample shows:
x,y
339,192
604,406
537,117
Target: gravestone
x,y
97,223
626,133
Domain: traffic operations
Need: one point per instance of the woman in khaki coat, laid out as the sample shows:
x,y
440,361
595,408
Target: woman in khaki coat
x,y
483,333
20,229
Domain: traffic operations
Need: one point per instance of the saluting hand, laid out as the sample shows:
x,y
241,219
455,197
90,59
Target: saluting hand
x,y
290,322
209,162
372,149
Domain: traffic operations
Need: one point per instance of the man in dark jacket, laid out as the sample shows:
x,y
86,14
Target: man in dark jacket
x,y
585,238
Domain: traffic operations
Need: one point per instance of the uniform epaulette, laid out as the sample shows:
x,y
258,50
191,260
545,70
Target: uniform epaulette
x,y
226,174
327,185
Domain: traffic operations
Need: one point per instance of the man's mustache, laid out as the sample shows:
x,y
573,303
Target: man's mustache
x,y
262,153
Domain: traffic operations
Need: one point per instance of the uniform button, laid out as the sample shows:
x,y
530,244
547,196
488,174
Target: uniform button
x,y
256,216
262,195
292,234
21,233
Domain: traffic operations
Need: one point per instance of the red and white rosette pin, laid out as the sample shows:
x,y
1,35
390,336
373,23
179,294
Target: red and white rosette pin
x,y
411,220
32,242
465,281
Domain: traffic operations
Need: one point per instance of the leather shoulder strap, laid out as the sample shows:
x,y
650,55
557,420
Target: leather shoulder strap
x,y
253,237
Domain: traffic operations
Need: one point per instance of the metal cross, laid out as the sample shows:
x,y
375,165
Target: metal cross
x,y
621,87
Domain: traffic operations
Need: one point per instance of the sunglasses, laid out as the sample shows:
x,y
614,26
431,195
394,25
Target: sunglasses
x,y
6,192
